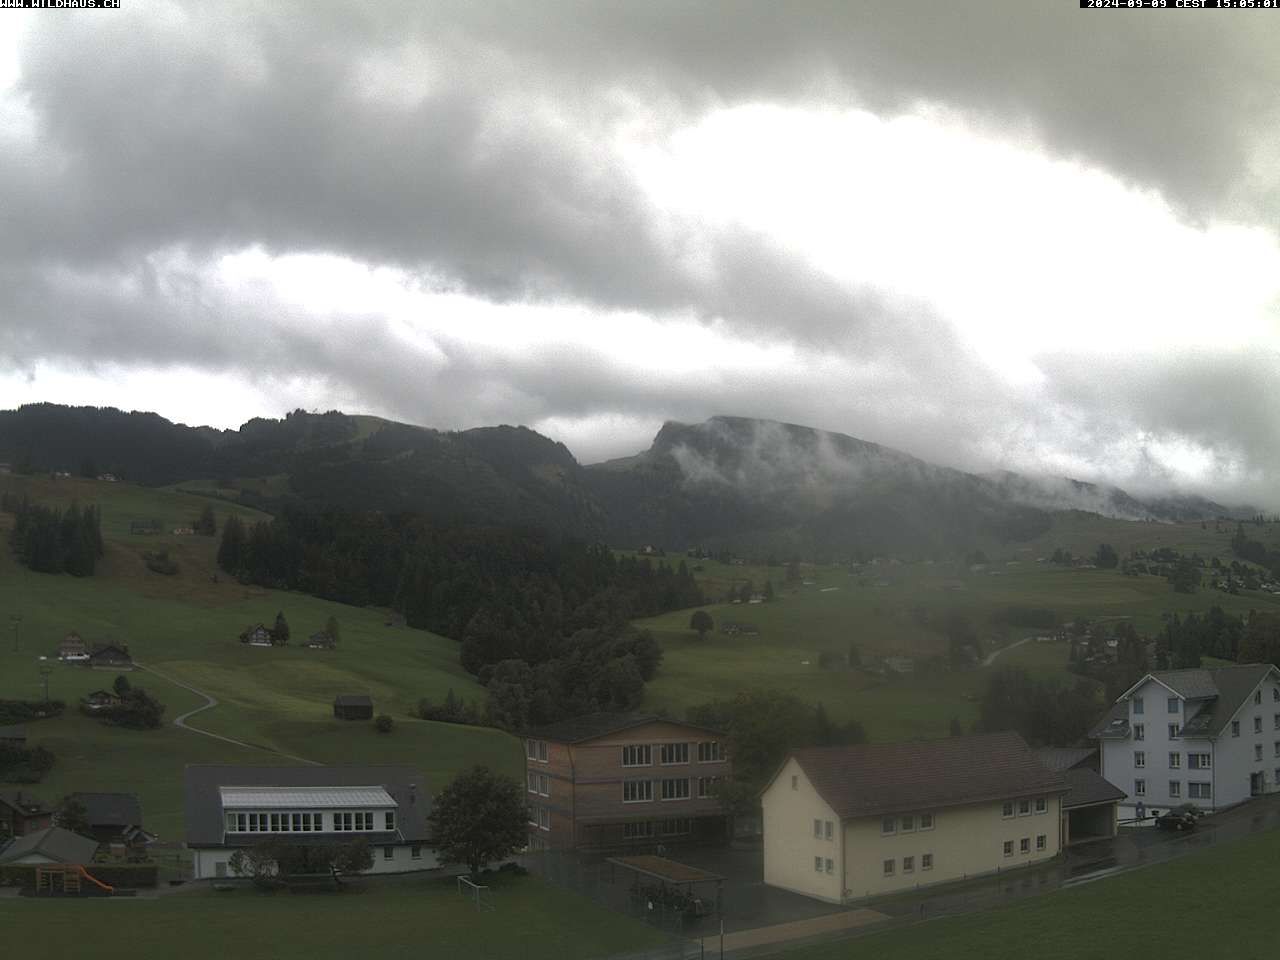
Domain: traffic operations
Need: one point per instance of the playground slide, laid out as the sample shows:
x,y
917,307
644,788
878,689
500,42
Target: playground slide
x,y
95,881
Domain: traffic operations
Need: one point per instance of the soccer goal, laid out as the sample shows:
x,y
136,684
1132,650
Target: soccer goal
x,y
478,893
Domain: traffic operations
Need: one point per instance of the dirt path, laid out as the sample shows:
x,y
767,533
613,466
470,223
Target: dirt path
x,y
209,703
991,657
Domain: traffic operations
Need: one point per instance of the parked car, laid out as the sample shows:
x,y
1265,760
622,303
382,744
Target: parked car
x,y
1179,818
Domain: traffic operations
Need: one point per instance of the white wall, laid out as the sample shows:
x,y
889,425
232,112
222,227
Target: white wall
x,y
789,843
205,861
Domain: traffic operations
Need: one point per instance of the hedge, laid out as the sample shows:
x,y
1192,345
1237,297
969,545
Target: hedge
x,y
128,875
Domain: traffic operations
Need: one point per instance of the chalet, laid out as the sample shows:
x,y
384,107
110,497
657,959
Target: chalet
x,y
232,807
98,700
114,817
110,656
353,706
733,628
609,780
21,813
16,735
50,845
183,531
73,649
256,636
321,640
844,823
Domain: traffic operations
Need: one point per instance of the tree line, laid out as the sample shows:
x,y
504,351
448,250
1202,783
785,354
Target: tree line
x,y
49,540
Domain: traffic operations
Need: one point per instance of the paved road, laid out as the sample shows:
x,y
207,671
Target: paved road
x,y
991,657
209,703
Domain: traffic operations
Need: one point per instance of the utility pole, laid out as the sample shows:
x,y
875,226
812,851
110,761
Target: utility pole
x,y
46,668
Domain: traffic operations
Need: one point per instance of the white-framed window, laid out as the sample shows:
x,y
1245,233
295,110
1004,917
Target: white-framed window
x,y
388,853
829,865
637,755
709,751
708,787
637,791
1006,811
1257,724
1278,748
1139,788
1275,694
1199,761
533,814
1042,805
532,779
926,861
343,821
364,820
1139,732
544,784
1137,706
1024,845
795,782
675,788
388,820
908,864
1042,842
676,827
1024,808
817,864
1257,697
828,829
888,868
1008,848
536,750
1257,751
1235,728
1199,790
675,753
908,823
888,825
1174,731
415,852
637,831
1175,761
1139,758
1276,721
1173,704
544,818
817,829
1175,789
926,821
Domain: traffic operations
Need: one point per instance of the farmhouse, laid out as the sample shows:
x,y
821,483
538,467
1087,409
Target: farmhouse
x,y
733,628
622,780
353,706
1210,737
232,807
842,823
21,813
114,817
50,845
110,656
99,699
321,640
256,636
73,649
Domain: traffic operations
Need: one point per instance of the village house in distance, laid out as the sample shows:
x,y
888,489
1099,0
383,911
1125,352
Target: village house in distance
x,y
617,780
844,823
1210,737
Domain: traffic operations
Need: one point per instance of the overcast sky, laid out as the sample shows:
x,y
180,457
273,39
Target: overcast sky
x,y
1000,234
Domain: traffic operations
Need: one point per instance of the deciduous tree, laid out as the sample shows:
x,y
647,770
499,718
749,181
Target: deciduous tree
x,y
478,818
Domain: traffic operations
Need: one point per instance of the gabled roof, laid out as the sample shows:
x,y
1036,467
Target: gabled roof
x,y
111,809
24,802
1061,759
592,725
54,843
1087,787
1223,691
203,783
1234,684
863,781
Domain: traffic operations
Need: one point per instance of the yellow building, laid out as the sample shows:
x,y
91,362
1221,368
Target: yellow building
x,y
843,823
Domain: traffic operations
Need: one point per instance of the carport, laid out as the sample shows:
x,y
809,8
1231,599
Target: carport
x,y
667,886
1089,808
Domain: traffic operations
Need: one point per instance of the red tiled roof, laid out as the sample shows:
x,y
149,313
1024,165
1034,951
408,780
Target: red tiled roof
x,y
863,781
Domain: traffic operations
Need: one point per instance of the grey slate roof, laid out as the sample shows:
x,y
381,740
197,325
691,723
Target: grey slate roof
x,y
1191,684
862,781
54,843
1061,759
111,809
1114,724
592,725
1086,787
203,801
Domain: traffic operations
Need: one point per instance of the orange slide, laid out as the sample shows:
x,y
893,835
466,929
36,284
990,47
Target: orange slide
x,y
95,881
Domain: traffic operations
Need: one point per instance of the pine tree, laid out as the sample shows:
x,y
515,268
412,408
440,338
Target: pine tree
x,y
231,550
280,633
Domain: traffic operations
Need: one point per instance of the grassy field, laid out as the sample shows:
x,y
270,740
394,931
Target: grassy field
x,y
408,919
1212,904
187,627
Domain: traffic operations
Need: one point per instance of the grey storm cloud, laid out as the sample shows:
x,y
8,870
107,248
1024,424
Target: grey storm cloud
x,y
467,144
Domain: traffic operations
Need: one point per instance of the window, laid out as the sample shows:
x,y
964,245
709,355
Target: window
x,y
926,861
908,824
830,866
1024,845
415,852
1139,732
672,828
388,853
536,750
1175,789
343,821
544,818
1139,758
828,829
1137,706
1257,724
1275,694
275,822
533,814
889,825
1199,761
1257,751
888,868
1278,748
817,864
926,821
1008,848
640,755
1024,808
1173,704
637,791
1199,791
364,820
1257,697
544,784
1042,842
1139,788
1042,805
708,787
1235,728
297,823
637,831
1275,721
1175,761
1007,810
710,752
533,782
675,788
1174,731
817,829
675,753
389,820
795,782
908,864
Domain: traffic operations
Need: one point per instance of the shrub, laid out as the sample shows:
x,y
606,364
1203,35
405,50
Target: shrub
x,y
159,562
383,723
